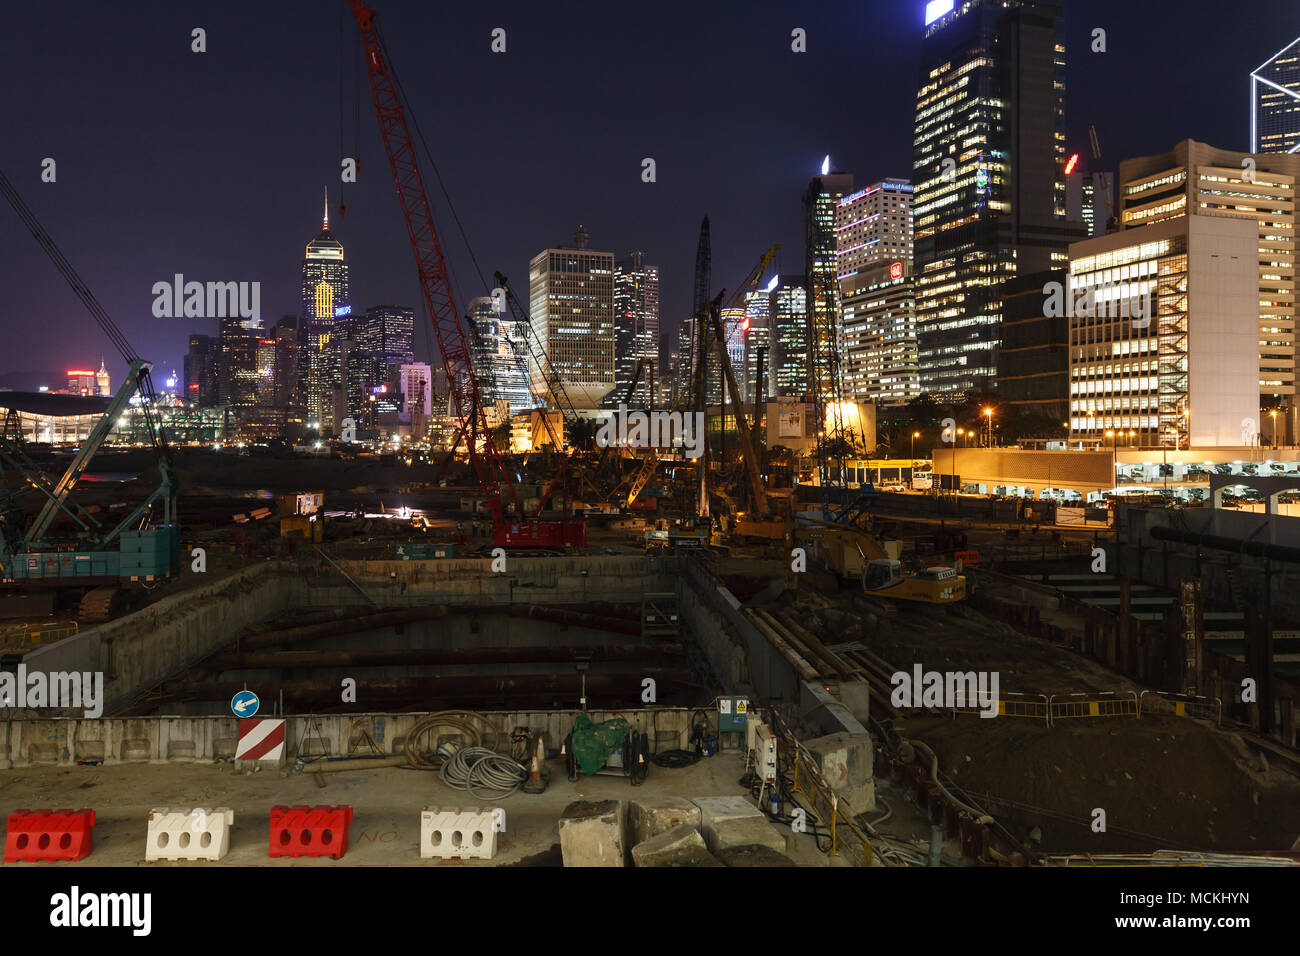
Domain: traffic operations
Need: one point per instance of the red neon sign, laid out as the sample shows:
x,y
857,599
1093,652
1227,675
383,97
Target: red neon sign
x,y
1071,163
895,270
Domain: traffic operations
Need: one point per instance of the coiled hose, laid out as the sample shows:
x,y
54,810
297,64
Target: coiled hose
x,y
422,754
484,773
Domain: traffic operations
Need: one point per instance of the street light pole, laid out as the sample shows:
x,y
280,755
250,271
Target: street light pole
x,y
1110,433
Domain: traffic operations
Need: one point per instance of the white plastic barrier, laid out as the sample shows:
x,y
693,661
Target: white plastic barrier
x,y
200,834
464,834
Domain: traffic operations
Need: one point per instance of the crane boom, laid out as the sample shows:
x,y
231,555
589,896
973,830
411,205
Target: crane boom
x,y
435,286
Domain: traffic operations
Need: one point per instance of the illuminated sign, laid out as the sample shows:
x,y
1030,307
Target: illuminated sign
x,y
937,8
981,177
78,371
895,270
1071,163
342,310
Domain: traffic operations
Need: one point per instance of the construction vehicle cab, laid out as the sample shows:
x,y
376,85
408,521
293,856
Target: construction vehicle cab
x,y
884,577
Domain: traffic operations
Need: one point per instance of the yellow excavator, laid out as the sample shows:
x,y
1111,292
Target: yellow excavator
x,y
855,554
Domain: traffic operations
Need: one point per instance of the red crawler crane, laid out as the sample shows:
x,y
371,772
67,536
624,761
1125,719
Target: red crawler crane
x,y
492,471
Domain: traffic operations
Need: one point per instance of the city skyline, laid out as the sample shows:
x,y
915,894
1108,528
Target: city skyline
x,y
253,218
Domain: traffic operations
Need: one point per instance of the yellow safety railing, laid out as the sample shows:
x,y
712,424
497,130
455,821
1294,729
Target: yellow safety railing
x,y
808,780
1011,704
1186,705
1063,706
29,635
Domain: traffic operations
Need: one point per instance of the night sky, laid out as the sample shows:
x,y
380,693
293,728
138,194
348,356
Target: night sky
x,y
213,164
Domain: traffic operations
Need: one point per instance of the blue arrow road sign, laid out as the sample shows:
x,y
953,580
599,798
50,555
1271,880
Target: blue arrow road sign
x,y
244,704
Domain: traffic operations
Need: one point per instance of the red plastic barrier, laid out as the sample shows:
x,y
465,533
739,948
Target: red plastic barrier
x,y
310,831
35,835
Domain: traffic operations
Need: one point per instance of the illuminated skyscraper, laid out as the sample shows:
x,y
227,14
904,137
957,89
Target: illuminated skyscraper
x,y
873,225
571,299
825,333
757,383
1199,180
1275,102
387,332
789,361
636,318
500,360
325,297
988,165
880,335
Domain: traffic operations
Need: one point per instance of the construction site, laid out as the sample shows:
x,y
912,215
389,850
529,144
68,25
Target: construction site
x,y
656,652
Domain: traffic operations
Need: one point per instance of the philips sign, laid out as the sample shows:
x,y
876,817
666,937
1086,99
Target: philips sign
x,y
342,310
937,8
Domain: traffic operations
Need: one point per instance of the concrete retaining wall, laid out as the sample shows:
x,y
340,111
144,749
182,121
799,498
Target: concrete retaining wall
x,y
64,741
553,581
137,651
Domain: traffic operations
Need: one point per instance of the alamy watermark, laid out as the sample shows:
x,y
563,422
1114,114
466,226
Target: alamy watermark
x,y
639,429
213,300
946,689
1126,299
72,690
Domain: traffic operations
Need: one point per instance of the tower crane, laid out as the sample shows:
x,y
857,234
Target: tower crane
x,y
494,476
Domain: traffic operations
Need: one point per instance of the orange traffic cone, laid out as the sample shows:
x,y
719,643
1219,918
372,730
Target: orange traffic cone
x,y
535,783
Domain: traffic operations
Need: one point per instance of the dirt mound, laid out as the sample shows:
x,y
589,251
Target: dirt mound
x,y
1172,778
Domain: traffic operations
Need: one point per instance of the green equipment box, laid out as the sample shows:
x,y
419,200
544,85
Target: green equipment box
x,y
732,713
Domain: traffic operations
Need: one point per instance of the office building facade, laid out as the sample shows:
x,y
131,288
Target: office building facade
x,y
1180,367
789,355
880,355
873,225
571,304
1195,179
1275,102
988,168
824,336
636,319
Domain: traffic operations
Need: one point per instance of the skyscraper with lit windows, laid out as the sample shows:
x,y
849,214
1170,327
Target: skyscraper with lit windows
x,y
988,166
1275,102
325,298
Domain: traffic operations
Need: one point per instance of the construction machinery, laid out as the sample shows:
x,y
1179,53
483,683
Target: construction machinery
x,y
854,553
90,556
513,527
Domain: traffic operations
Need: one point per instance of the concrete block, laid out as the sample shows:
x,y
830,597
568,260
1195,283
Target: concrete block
x,y
680,846
855,696
845,761
188,834
722,835
753,855
718,809
592,833
452,833
652,816
729,822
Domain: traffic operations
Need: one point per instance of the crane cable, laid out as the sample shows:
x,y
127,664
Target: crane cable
x,y
82,291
